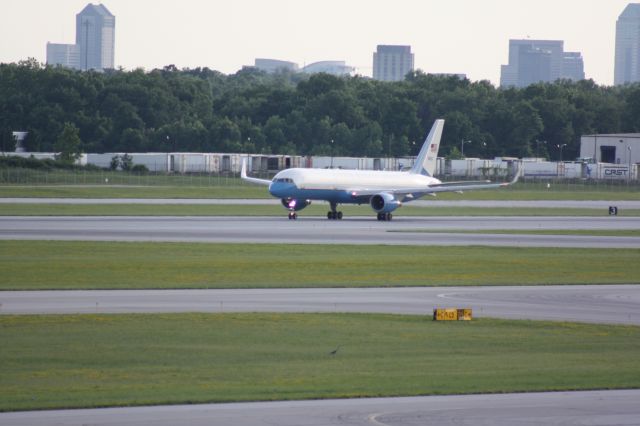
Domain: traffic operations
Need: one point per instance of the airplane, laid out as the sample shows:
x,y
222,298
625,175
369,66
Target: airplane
x,y
384,191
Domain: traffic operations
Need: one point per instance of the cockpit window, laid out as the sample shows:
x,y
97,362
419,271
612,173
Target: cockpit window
x,y
284,180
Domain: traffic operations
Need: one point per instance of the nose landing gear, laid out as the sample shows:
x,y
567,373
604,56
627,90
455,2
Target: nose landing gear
x,y
293,215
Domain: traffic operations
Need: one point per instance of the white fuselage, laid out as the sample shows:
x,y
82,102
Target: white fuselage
x,y
354,180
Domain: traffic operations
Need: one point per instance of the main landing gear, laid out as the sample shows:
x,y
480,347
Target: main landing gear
x,y
293,215
333,214
385,216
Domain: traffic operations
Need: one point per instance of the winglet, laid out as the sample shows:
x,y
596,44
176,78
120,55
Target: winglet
x,y
243,171
516,176
426,161
243,175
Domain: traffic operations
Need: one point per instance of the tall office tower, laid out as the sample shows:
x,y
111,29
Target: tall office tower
x,y
392,63
533,61
66,55
95,37
627,62
572,66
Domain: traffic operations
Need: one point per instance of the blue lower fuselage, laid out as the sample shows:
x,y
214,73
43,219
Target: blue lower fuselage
x,y
287,190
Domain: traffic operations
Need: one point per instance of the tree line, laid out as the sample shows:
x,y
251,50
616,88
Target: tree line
x,y
201,110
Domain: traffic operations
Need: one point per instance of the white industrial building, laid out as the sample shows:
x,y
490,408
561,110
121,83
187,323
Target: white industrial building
x,y
617,155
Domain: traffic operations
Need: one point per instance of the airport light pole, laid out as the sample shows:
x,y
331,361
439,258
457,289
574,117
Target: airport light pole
x,y
560,146
538,147
629,170
462,142
414,154
332,153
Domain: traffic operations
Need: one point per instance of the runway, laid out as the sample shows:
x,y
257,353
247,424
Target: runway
x,y
577,204
315,230
615,304
620,407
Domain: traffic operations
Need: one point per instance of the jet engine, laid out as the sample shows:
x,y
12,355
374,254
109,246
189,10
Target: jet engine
x,y
293,204
384,203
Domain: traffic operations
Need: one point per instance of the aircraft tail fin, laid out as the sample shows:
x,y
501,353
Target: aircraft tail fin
x,y
426,161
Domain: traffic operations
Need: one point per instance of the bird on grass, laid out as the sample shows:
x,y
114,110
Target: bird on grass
x,y
335,351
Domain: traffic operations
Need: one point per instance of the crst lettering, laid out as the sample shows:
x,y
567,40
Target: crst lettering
x,y
615,172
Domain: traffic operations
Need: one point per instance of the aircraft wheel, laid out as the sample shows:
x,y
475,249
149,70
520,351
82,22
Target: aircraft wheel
x,y
389,217
329,215
339,215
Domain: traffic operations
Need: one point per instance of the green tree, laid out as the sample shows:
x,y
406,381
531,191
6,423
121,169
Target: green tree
x,y
68,144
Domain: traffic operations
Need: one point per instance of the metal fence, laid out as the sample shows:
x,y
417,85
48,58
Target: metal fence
x,y
20,176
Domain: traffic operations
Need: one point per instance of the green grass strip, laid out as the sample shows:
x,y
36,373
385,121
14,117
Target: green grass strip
x,y
177,186
239,190
72,361
316,209
30,265
590,232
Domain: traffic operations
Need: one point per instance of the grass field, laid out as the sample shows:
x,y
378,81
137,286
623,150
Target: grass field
x,y
113,360
316,209
237,190
229,187
594,232
30,265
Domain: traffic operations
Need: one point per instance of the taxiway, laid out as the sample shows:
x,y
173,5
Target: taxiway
x,y
315,230
588,303
619,407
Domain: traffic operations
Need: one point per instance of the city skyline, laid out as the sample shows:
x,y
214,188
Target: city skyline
x,y
532,61
446,37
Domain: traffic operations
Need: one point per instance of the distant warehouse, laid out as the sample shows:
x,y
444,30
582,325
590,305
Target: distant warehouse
x,y
619,149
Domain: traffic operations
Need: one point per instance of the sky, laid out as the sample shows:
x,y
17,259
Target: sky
x,y
446,36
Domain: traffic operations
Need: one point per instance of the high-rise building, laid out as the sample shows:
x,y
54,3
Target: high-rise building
x,y
66,55
572,66
392,63
627,61
533,61
95,39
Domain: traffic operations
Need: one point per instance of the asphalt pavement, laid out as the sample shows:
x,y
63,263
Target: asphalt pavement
x,y
618,407
618,304
315,230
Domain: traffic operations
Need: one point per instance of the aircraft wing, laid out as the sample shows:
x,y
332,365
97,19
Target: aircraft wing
x,y
243,176
414,193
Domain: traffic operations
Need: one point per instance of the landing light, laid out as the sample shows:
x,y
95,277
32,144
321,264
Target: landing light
x,y
292,204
